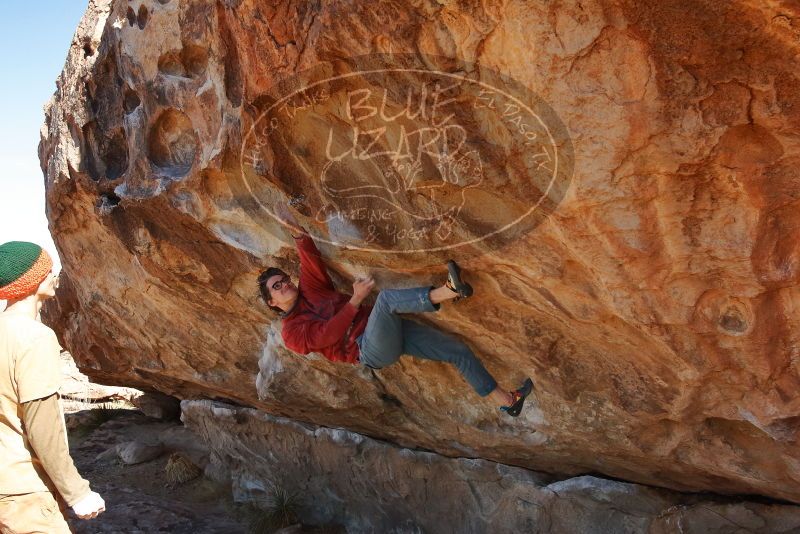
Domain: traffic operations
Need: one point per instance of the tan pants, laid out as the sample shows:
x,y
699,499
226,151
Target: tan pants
x,y
31,513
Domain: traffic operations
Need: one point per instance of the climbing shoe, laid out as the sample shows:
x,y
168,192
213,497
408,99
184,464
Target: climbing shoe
x,y
519,396
454,282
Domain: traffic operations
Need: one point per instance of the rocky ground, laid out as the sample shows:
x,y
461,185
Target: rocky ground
x,y
139,497
122,452
128,457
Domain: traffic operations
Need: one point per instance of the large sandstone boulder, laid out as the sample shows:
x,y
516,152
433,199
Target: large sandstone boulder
x,y
630,227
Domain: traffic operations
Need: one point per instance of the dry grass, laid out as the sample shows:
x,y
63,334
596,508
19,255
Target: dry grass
x,y
105,412
74,404
83,416
180,469
277,511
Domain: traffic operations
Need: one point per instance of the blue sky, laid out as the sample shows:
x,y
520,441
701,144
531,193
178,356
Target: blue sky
x,y
35,37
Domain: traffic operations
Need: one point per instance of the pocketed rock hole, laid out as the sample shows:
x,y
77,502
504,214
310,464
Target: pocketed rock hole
x,y
107,155
107,202
131,100
172,143
142,17
171,65
88,49
733,322
735,319
131,16
116,155
190,62
194,59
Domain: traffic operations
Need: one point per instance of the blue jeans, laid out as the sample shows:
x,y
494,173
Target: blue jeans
x,y
387,336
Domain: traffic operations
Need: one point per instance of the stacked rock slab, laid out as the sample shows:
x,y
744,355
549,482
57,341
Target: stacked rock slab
x,y
656,307
366,485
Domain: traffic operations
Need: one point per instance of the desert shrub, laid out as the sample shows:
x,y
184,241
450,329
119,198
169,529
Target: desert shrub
x,y
179,470
105,412
280,509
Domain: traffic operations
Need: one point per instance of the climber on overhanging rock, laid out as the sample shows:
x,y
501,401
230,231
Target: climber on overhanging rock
x,y
317,318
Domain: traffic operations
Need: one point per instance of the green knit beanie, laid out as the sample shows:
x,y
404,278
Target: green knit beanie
x,y
23,266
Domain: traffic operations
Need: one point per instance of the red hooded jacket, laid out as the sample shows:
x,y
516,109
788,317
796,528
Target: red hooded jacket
x,y
322,320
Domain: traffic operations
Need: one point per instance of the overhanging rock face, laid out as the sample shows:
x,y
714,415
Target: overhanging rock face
x,y
619,180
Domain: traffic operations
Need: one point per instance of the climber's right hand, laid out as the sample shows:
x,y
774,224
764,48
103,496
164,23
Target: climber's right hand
x,y
361,288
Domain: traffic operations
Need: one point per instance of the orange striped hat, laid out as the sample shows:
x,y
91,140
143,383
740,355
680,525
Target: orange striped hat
x,y
23,266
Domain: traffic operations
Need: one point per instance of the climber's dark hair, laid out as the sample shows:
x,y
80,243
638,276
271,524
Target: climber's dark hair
x,y
262,286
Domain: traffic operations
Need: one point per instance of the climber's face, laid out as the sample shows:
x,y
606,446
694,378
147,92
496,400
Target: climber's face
x,y
281,290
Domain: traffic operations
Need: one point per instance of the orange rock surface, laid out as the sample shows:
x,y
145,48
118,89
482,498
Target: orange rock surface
x,y
654,301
